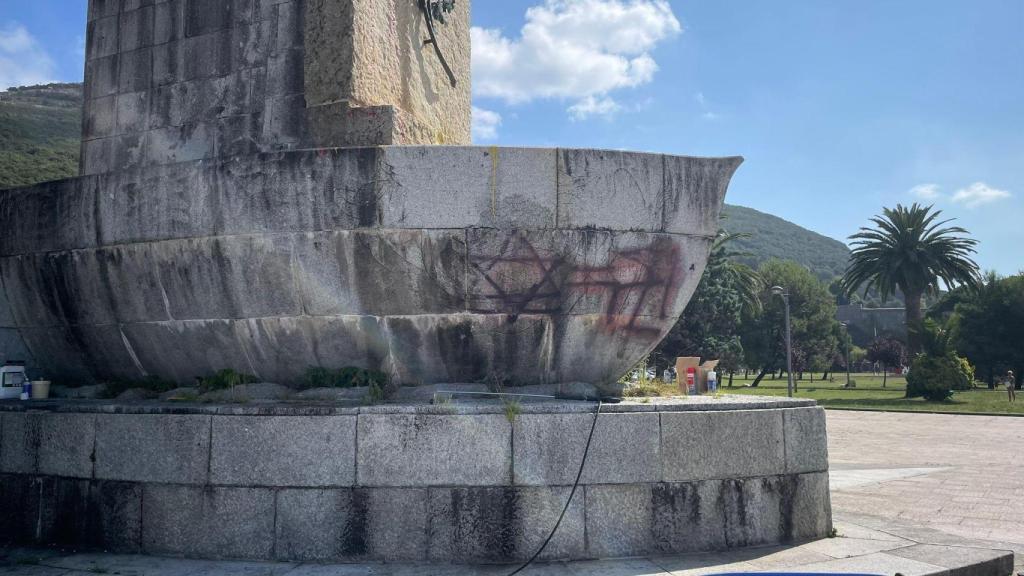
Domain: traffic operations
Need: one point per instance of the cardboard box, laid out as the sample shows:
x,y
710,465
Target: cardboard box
x,y
685,362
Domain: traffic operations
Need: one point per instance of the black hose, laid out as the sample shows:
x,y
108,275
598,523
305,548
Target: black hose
x,y
572,493
433,40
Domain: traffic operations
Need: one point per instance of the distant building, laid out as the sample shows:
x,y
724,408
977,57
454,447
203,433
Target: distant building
x,y
866,324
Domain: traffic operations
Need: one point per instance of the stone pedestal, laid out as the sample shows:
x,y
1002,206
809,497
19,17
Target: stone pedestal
x,y
449,483
435,264
184,80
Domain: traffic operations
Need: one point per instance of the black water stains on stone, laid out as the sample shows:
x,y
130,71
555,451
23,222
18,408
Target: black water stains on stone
x,y
18,509
786,489
369,212
407,343
685,521
354,537
460,352
484,523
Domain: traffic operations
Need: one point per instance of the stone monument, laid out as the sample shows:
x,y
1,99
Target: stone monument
x,y
264,188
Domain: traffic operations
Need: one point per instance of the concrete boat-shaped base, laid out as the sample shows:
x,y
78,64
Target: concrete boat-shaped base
x,y
434,264
458,483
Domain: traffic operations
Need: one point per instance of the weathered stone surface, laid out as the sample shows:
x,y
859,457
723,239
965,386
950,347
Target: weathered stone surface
x,y
754,439
150,448
960,560
776,509
619,520
283,451
19,509
271,264
344,524
66,443
806,441
227,78
19,443
610,190
114,518
208,522
433,483
811,506
51,444
399,450
549,449
494,187
688,517
503,523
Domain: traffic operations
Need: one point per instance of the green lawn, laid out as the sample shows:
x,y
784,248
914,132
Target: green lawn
x,y
869,395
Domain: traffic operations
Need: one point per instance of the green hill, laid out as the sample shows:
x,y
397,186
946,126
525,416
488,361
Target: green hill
x,y
772,237
39,133
40,127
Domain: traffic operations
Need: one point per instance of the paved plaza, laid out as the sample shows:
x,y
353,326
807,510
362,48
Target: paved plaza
x,y
960,475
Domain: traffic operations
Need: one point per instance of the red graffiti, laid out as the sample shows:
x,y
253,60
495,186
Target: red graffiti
x,y
632,287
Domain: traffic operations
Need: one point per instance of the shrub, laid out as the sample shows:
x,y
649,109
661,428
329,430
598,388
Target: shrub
x,y
968,372
225,379
348,377
153,384
935,377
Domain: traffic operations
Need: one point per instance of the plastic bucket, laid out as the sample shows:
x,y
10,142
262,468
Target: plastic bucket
x,y
40,389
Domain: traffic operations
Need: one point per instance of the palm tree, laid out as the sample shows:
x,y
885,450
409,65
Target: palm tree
x,y
725,262
910,250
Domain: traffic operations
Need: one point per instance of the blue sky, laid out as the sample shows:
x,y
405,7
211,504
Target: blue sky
x,y
840,107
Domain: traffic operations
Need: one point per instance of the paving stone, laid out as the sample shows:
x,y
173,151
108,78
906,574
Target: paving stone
x,y
283,451
879,563
400,450
754,439
844,546
208,522
153,448
703,564
806,440
156,566
499,523
549,449
960,560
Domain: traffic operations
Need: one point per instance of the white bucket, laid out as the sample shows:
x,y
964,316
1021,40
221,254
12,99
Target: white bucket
x,y
40,389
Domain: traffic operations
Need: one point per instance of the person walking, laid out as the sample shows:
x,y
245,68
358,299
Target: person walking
x,y
1011,385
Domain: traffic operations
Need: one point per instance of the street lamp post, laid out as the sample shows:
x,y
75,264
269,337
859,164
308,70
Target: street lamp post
x,y
846,327
780,291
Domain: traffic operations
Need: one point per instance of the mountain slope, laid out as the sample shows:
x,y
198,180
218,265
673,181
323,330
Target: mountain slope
x,y
773,237
39,133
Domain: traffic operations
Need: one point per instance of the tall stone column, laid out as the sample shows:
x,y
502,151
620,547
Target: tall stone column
x,y
184,80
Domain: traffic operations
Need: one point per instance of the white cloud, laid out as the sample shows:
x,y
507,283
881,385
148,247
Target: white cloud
x,y
485,124
926,191
979,194
594,106
23,61
573,49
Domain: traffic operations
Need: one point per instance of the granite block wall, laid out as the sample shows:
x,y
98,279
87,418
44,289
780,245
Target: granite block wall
x,y
447,483
171,81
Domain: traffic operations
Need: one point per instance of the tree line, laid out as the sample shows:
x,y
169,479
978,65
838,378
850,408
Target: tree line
x,y
975,326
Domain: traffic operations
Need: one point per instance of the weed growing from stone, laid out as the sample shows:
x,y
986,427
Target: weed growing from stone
x,y
512,410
